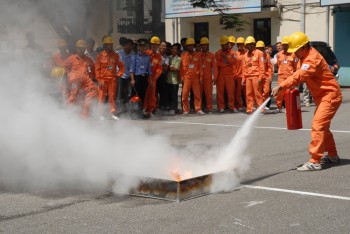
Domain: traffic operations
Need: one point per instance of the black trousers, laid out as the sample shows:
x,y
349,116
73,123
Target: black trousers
x,y
172,96
191,100
141,83
162,92
124,91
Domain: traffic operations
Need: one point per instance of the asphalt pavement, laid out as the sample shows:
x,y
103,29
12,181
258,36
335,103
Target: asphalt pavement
x,y
273,197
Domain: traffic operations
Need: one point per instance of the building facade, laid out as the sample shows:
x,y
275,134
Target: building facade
x,y
128,18
276,19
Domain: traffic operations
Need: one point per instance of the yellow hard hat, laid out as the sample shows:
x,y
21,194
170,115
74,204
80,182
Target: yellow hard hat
x,y
285,40
249,40
80,44
232,39
57,72
190,41
240,40
260,44
296,41
155,40
62,43
204,40
224,40
107,40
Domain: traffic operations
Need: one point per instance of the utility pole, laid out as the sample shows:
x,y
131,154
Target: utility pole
x,y
302,16
110,17
156,19
327,25
140,16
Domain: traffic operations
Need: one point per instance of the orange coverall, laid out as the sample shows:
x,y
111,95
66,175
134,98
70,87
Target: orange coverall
x,y
210,73
226,65
150,102
314,71
267,79
238,79
79,81
286,63
57,60
191,74
253,73
106,76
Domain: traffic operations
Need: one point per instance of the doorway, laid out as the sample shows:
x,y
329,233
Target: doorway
x,y
262,30
201,30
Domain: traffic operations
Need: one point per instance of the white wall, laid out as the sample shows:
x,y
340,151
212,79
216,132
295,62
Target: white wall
x,y
315,20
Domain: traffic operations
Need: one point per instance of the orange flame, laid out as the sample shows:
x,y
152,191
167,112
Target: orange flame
x,y
178,177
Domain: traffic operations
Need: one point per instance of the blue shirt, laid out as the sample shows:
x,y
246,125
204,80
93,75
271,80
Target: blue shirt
x,y
142,64
129,63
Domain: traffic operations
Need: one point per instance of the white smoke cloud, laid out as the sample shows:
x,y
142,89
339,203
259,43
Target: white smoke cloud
x,y
44,145
233,160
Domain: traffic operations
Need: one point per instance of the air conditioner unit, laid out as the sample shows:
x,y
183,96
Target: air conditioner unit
x,y
268,3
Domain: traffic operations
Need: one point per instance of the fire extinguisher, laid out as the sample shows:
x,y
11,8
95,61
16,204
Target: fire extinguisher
x,y
293,109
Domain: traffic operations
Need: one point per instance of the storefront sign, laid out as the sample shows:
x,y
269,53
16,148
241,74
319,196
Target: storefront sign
x,y
183,8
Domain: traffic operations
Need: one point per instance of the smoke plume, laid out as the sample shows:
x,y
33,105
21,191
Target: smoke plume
x,y
45,145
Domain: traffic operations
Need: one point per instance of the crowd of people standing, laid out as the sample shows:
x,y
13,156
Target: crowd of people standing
x,y
146,75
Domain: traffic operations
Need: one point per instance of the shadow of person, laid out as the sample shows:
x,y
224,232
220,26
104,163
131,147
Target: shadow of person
x,y
343,162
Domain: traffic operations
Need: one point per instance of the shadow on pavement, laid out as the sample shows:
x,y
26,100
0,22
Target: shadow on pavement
x,y
343,162
251,181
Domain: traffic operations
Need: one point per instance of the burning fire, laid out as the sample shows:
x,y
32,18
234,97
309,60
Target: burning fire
x,y
175,174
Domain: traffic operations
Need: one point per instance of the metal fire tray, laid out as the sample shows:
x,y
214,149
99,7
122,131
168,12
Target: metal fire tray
x,y
174,190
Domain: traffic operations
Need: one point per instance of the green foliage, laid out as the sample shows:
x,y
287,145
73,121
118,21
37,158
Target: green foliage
x,y
233,22
230,21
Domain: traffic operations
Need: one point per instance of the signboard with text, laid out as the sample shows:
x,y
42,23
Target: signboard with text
x,y
183,8
334,2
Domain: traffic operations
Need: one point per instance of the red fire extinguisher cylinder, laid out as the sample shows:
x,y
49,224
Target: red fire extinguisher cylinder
x,y
293,109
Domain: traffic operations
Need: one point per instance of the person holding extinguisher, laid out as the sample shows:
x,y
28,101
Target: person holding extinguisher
x,y
312,69
286,64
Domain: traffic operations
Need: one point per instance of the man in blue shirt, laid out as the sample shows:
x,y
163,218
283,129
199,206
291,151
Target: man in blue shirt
x,y
142,71
127,56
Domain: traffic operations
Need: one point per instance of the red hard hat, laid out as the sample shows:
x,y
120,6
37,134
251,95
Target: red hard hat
x,y
135,99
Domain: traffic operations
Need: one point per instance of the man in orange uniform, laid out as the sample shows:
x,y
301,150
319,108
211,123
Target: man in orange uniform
x,y
151,99
239,73
267,78
225,58
58,58
314,71
57,61
286,63
106,76
231,42
80,69
210,72
191,75
253,73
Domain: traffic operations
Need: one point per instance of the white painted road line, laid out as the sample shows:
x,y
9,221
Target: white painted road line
x,y
297,192
238,126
